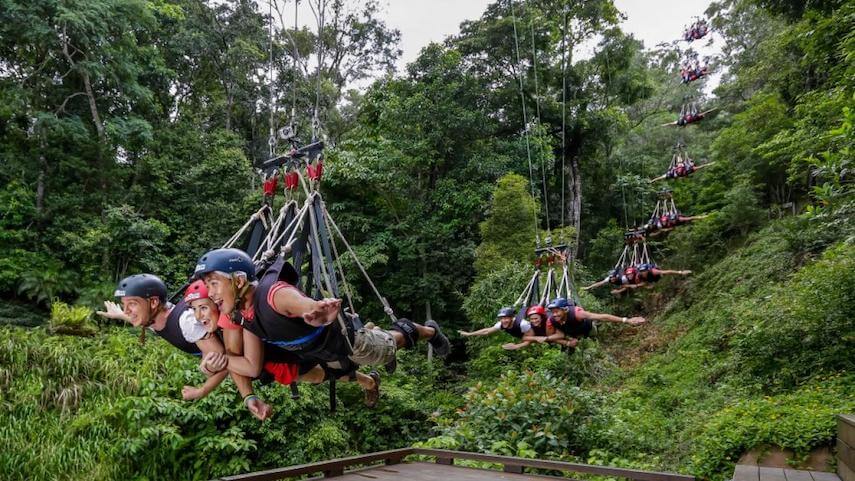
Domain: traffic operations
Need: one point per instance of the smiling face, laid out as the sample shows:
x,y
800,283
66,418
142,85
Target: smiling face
x,y
558,314
139,309
207,313
221,290
535,320
506,321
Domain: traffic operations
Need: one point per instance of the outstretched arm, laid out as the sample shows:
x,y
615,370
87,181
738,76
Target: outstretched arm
x,y
657,179
513,347
703,166
665,272
610,318
596,284
293,303
480,332
249,364
211,344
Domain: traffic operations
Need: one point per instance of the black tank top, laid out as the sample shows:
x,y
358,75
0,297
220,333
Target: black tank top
x,y
276,328
171,332
515,329
539,330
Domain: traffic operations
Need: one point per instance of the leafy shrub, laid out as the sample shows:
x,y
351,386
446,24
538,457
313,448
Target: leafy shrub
x,y
74,320
524,411
802,328
42,284
800,421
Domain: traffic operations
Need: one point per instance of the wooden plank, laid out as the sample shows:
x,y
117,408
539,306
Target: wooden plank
x,y
557,465
846,430
320,467
795,475
746,472
771,474
845,454
845,472
823,476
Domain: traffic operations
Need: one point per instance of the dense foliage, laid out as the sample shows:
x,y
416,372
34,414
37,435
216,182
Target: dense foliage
x,y
129,136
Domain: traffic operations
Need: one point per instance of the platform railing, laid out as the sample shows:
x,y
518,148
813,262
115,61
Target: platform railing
x,y
338,467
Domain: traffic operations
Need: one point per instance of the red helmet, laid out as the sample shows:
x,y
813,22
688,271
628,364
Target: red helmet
x,y
630,271
537,309
195,291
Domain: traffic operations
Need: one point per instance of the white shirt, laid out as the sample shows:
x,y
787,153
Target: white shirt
x,y
525,326
192,329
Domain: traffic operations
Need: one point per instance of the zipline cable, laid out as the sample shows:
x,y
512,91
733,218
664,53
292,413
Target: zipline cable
x,y
271,140
537,107
525,116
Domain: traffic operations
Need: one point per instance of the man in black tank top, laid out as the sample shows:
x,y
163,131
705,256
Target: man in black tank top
x,y
507,321
569,322
144,305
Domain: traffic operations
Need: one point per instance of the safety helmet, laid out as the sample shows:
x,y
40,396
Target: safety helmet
x,y
559,303
225,260
141,285
505,312
536,309
195,291
645,267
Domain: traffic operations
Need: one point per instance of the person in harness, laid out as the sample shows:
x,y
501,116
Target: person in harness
x,y
538,320
667,222
569,322
279,364
507,321
647,274
616,278
272,310
144,305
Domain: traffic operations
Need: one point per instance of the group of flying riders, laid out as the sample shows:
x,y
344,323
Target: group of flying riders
x,y
248,325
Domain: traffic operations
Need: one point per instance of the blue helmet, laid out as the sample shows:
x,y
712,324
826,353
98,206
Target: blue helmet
x,y
506,312
141,285
559,303
225,260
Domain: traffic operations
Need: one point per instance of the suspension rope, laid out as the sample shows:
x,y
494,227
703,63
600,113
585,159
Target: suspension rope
x,y
537,106
271,140
294,68
563,112
525,116
322,6
386,307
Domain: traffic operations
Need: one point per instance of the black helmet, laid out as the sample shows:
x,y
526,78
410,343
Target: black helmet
x,y
141,285
225,260
506,312
559,303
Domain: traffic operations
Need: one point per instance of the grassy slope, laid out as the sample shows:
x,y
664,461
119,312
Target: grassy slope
x,y
755,350
761,355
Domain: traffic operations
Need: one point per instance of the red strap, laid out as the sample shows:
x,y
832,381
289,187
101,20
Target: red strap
x,y
315,171
270,185
292,180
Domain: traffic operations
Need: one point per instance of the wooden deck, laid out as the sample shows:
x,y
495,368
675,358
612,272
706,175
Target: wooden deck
x,y
422,471
394,465
752,472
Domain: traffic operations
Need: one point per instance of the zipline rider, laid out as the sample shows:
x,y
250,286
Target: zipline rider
x,y
569,322
144,305
275,312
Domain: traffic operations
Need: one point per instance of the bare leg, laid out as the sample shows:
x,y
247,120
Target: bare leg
x,y
314,376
